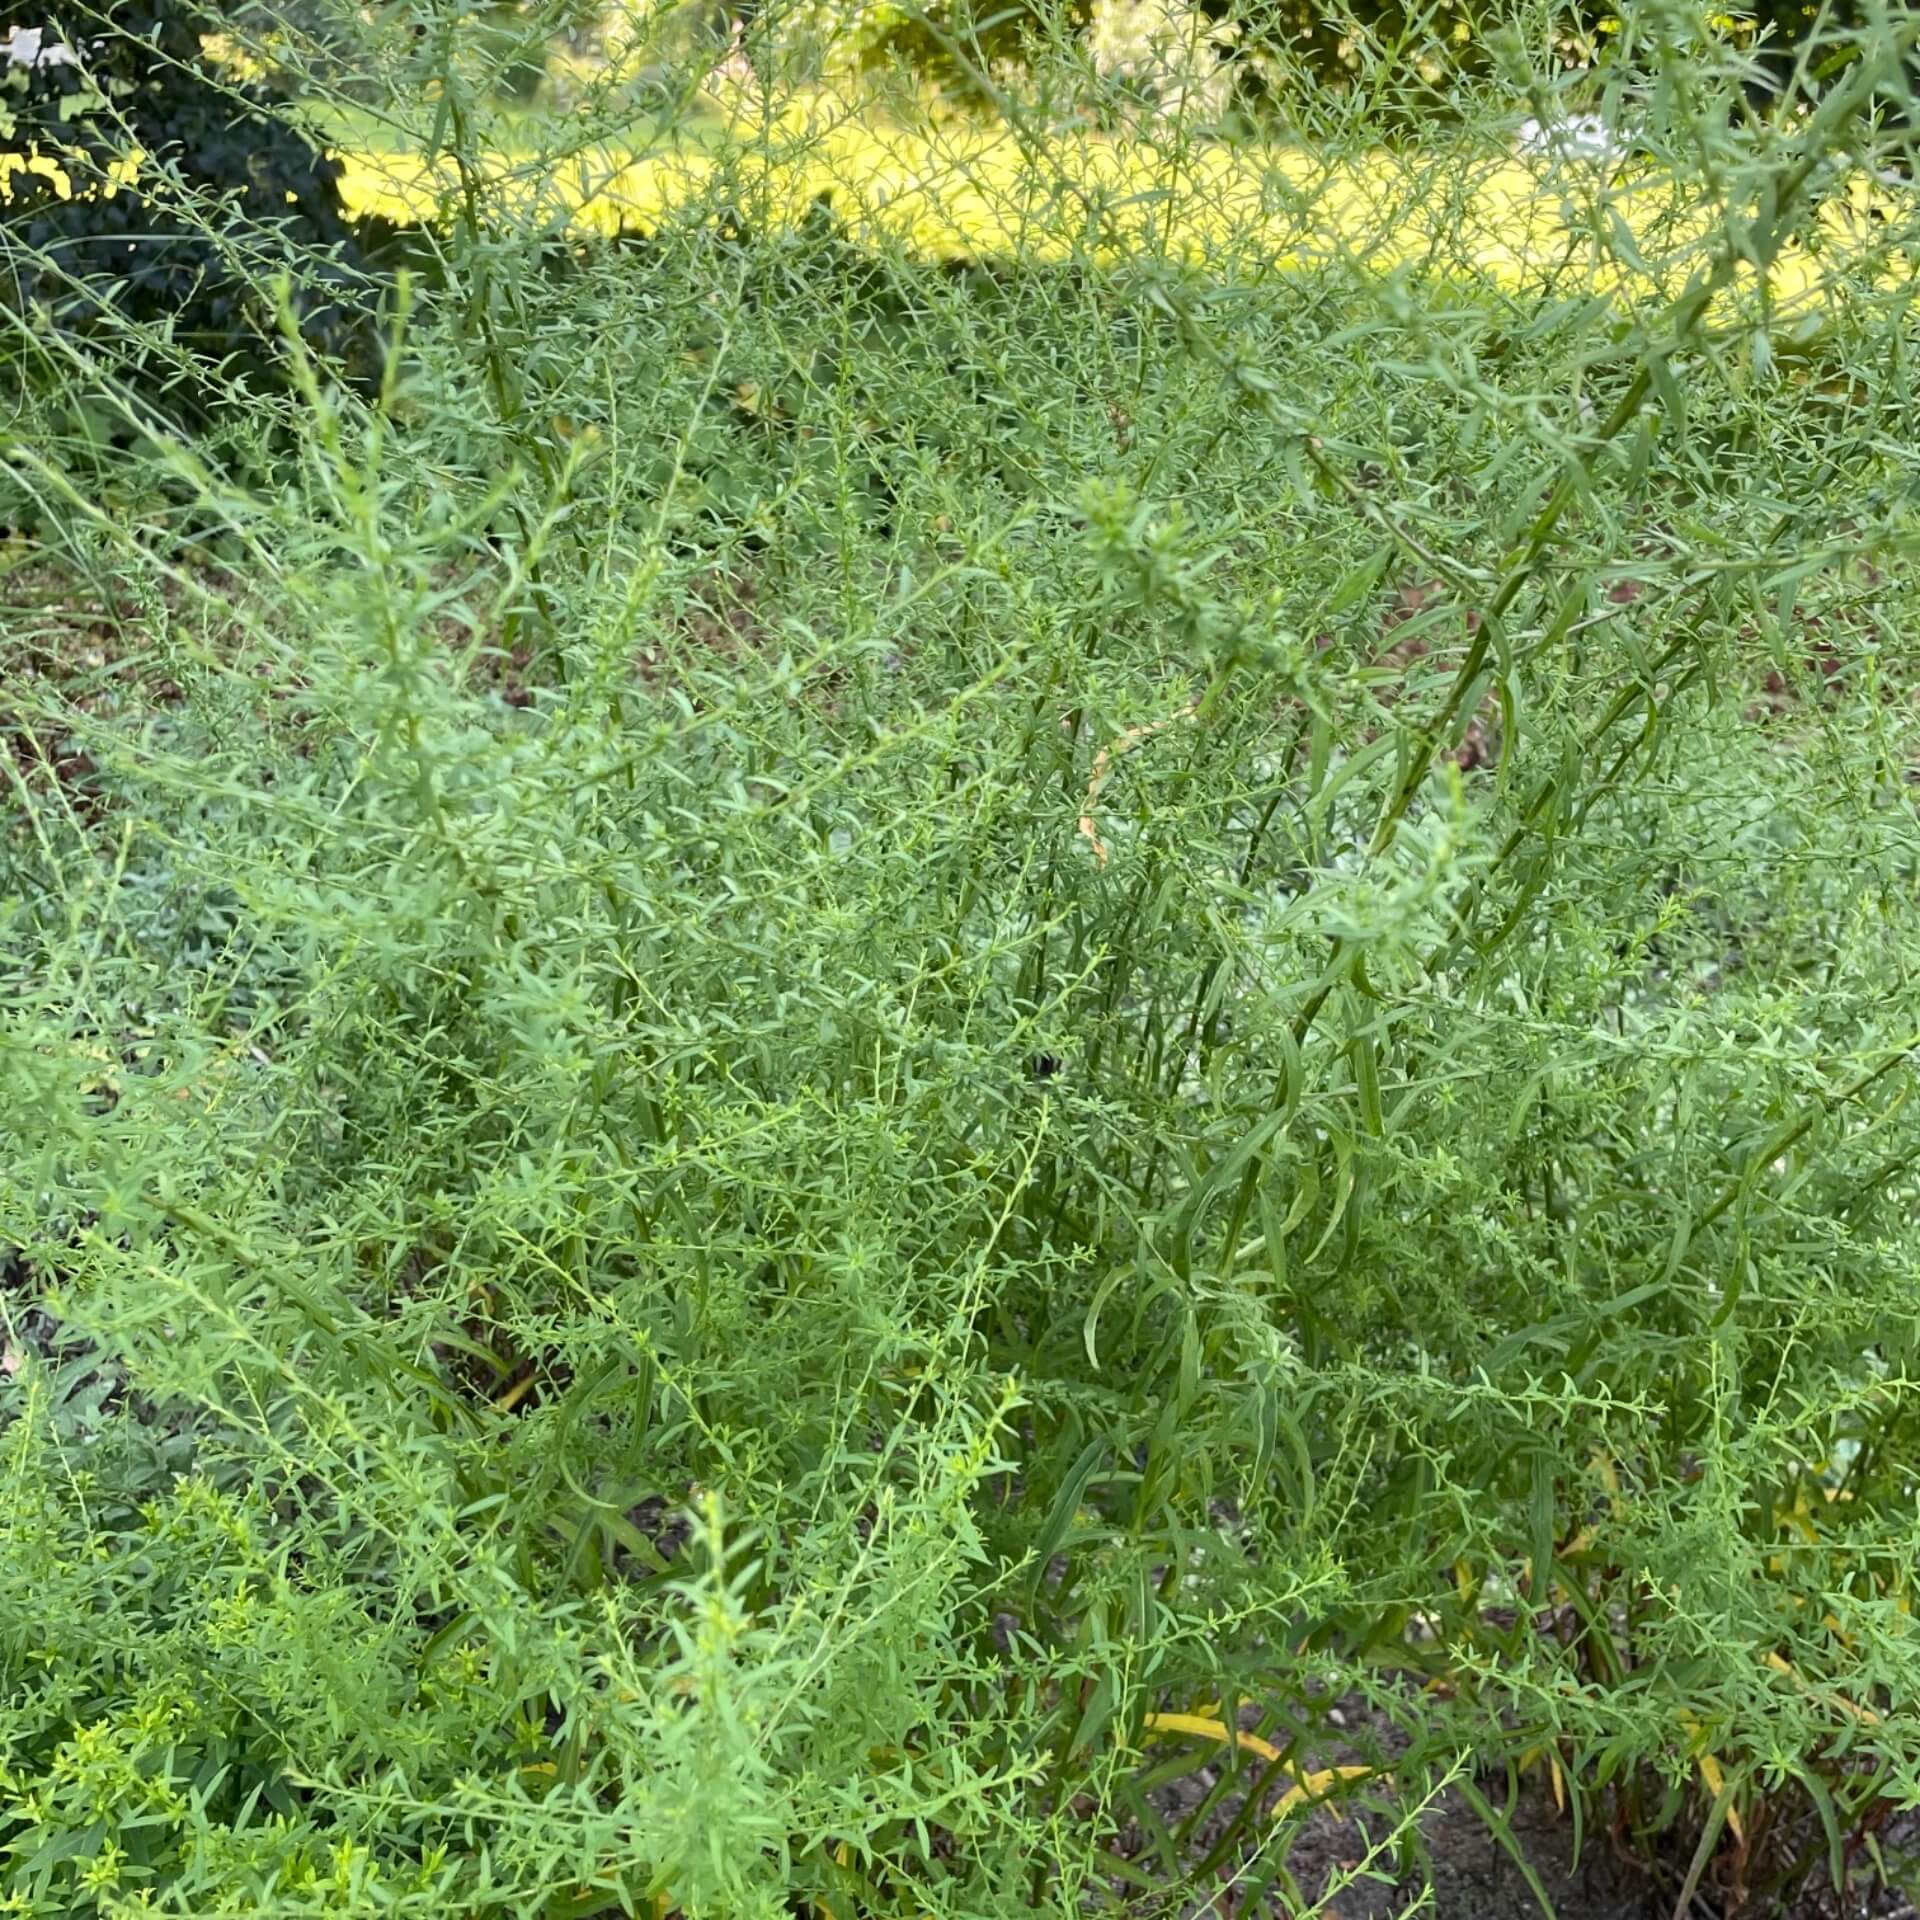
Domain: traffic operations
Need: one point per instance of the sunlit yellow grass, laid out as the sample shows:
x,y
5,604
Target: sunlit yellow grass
x,y
959,189
48,167
972,192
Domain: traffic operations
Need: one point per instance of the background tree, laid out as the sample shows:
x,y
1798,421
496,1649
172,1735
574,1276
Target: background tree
x,y
155,199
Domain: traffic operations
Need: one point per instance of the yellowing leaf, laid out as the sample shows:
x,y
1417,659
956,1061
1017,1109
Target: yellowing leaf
x,y
1464,1583
1306,1787
1203,1728
1839,1702
1314,1786
1715,1777
823,1909
1797,1518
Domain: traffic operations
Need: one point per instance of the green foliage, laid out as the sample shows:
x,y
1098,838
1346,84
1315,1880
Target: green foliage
x,y
813,1026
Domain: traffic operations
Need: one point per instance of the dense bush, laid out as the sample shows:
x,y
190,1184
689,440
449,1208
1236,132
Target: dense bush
x,y
169,198
848,1058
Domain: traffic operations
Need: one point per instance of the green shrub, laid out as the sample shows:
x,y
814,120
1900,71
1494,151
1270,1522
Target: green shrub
x,y
831,1026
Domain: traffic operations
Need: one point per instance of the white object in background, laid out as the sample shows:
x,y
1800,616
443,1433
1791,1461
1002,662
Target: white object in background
x,y
26,47
1581,136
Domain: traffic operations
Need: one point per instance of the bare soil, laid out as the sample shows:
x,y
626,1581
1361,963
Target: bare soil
x,y
1474,1878
1351,1857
